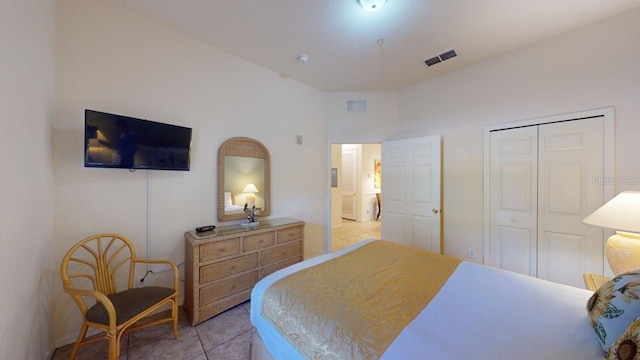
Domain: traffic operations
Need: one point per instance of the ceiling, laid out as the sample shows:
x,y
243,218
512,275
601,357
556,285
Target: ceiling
x,y
340,38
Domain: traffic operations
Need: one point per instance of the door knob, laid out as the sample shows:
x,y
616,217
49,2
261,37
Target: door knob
x,y
435,211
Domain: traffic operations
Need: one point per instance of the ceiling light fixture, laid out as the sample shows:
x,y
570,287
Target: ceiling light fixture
x,y
372,5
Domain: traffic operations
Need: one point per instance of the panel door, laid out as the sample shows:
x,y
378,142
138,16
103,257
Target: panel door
x,y
571,157
349,182
513,211
411,192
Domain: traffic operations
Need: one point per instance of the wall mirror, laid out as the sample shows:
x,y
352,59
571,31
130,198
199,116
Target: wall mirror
x,y
244,176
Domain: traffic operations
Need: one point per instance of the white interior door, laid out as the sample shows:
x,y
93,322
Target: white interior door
x,y
571,158
411,192
349,182
514,213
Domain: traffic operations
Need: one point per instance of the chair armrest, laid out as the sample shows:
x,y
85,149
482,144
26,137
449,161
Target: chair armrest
x,y
100,297
163,261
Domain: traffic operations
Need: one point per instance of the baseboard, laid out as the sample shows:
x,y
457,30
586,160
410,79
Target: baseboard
x,y
49,354
71,338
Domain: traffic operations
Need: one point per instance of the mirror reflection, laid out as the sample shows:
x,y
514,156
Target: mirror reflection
x,y
243,178
243,183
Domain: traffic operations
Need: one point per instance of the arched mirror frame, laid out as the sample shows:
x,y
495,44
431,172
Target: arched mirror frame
x,y
245,147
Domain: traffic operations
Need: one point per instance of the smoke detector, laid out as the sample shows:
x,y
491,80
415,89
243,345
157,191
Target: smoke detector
x,y
303,58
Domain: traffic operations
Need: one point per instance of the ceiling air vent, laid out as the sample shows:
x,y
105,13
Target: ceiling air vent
x,y
356,106
440,58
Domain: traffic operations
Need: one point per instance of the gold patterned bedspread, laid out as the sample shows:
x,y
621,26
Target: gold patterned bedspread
x,y
355,305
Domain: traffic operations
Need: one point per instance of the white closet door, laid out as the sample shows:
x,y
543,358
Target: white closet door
x,y
513,229
411,192
543,182
571,158
349,182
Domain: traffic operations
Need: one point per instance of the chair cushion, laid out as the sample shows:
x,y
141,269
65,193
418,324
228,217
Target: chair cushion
x,y
128,303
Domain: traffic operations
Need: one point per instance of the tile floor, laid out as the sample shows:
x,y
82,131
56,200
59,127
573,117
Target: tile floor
x,y
226,336
351,232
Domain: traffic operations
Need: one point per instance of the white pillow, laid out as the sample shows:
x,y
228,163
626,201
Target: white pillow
x,y
227,198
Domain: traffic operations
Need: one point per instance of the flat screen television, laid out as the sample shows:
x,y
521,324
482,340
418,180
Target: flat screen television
x,y
116,141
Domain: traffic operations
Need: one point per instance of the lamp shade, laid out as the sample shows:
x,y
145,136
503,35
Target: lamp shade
x,y
250,188
620,213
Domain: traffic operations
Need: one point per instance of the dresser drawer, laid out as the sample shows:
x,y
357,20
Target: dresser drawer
x,y
290,234
228,267
281,265
227,287
258,241
218,249
221,305
282,252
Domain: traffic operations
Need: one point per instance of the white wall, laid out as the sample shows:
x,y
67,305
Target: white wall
x,y
592,67
112,60
372,126
26,184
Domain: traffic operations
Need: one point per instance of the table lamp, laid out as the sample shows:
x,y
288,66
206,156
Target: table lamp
x,y
622,213
250,196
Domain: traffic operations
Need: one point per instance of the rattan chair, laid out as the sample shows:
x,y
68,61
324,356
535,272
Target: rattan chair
x,y
98,272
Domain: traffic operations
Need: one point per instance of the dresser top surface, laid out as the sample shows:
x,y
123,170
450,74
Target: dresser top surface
x,y
243,229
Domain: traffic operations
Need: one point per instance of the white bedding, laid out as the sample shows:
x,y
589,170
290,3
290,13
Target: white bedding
x,y
230,208
480,313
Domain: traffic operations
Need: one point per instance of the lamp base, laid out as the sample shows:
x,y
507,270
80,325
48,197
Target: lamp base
x,y
251,200
623,252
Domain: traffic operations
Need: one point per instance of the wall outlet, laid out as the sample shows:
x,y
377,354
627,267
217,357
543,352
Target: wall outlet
x,y
472,253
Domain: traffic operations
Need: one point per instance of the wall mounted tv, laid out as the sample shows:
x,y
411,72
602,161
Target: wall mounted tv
x,y
116,141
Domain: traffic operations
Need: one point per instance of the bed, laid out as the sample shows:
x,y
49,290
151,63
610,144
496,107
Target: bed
x,y
229,204
473,311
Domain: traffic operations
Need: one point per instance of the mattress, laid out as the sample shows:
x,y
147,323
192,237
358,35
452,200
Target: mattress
x,y
480,313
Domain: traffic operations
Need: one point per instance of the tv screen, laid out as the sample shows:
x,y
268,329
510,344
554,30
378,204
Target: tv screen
x,y
116,141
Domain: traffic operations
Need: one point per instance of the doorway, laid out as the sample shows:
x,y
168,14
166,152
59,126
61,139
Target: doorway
x,y
354,206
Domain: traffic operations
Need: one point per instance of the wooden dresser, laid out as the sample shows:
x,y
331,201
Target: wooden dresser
x,y
222,266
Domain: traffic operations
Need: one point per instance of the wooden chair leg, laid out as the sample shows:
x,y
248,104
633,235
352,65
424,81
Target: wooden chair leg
x,y
174,314
114,346
76,346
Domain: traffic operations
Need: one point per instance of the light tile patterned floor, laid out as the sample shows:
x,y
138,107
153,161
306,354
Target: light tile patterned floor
x,y
226,336
352,232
